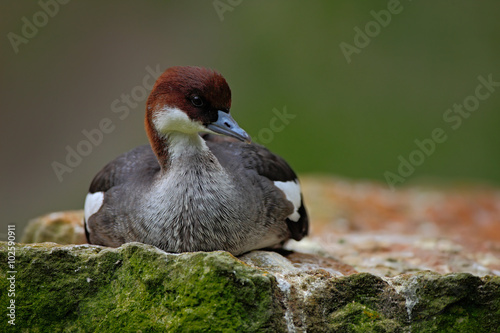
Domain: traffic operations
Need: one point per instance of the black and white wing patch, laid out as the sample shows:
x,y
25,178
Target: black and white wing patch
x,y
137,163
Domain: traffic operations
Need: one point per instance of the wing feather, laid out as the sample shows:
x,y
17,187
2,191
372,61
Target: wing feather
x,y
271,166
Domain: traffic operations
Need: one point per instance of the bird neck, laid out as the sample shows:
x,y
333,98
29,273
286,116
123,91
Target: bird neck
x,y
181,150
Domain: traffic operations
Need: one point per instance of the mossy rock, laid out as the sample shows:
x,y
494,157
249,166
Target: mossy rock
x,y
457,302
136,288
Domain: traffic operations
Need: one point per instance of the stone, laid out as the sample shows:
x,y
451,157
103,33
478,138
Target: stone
x,y
445,228
418,259
60,227
138,287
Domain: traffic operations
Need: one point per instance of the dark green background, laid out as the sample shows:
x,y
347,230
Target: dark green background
x,y
352,119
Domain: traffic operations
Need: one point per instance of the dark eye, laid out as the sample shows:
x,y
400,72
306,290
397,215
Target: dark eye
x,y
197,101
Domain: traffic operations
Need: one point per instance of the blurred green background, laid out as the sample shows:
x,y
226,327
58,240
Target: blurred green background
x,y
351,119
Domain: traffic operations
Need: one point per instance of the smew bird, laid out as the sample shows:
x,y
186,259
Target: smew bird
x,y
201,185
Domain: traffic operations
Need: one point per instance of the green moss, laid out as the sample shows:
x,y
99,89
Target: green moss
x,y
457,302
351,303
424,302
356,317
138,288
363,288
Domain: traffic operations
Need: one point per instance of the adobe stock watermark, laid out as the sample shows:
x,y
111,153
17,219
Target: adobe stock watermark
x,y
277,124
94,137
372,29
223,6
11,274
30,26
453,117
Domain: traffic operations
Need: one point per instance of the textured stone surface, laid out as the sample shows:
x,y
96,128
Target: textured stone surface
x,y
412,260
136,287
366,225
60,227
319,300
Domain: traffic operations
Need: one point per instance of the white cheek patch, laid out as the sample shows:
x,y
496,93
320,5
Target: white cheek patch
x,y
291,189
93,203
171,119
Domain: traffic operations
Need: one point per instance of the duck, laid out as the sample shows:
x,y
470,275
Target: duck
x,y
201,184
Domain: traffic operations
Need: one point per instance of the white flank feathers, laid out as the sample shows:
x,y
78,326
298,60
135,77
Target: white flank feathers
x,y
292,193
93,203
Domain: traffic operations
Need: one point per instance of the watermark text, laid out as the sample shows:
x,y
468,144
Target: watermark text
x,y
453,117
223,6
95,136
372,29
277,124
30,26
11,274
